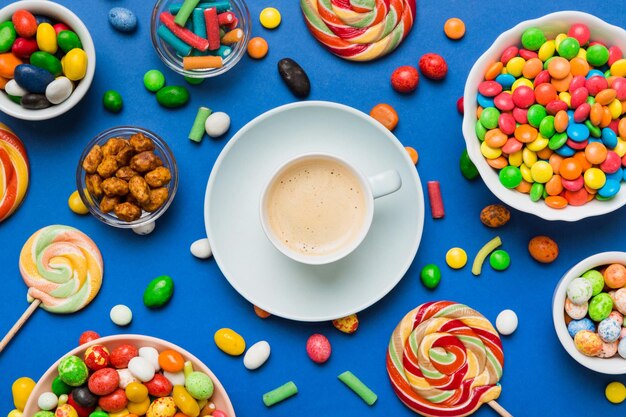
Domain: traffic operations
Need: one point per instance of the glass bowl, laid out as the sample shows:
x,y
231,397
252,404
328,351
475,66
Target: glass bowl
x,y
175,62
160,149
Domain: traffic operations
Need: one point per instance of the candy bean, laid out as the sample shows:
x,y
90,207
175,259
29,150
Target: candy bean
x,y
153,80
468,169
270,18
158,292
199,386
256,355
7,36
75,203
68,40
185,402
73,371
8,63
46,61
33,101
12,88
122,19
430,276
294,77
23,48
385,114
171,361
25,23
161,385
47,38
141,369
201,249
75,64
172,96
230,342
21,390
217,124
104,381
58,91
506,322
162,407
318,348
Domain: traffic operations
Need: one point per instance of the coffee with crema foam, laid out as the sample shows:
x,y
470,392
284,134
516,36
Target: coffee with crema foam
x,y
316,206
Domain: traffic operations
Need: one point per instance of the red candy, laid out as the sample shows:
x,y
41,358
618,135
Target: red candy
x,y
25,23
508,54
619,85
542,78
596,84
545,93
579,96
104,381
577,146
96,357
87,337
520,115
506,123
526,54
580,32
121,355
459,105
159,386
437,210
556,106
60,27
573,185
114,402
504,102
582,112
523,97
405,79
23,48
489,88
318,348
433,66
612,163
576,83
576,198
512,145
615,54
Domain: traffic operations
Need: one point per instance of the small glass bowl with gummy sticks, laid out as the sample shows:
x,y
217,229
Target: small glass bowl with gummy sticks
x,y
200,38
47,60
551,119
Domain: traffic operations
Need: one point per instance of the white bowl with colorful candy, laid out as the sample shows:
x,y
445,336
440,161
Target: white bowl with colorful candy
x,y
543,119
588,310
137,374
200,39
47,60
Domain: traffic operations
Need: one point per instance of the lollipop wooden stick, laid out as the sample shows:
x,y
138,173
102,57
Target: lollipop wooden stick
x,y
499,409
18,324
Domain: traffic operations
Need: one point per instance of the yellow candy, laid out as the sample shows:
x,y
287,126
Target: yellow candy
x,y
522,81
582,53
594,178
538,144
65,410
187,368
558,39
270,18
185,402
620,149
62,399
229,342
615,392
618,68
76,204
526,175
515,66
21,389
74,64
136,392
348,324
541,172
529,157
489,152
139,408
122,413
162,407
566,97
546,50
615,107
47,38
456,258
15,413
515,159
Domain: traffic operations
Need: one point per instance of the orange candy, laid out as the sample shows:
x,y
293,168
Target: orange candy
x,y
493,71
570,169
615,276
562,84
3,82
412,154
579,66
545,153
621,128
545,93
498,163
595,153
606,117
576,198
559,68
561,120
523,187
532,67
257,48
171,361
555,162
386,115
8,62
495,138
582,160
596,114
606,96
261,313
556,202
554,186
454,28
525,133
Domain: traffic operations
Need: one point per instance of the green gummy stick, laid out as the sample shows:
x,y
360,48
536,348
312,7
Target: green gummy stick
x,y
358,387
185,11
280,394
197,130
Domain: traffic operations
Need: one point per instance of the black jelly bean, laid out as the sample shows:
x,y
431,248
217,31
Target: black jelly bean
x,y
294,76
35,101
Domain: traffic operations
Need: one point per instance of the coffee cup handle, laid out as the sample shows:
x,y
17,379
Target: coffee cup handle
x,y
385,183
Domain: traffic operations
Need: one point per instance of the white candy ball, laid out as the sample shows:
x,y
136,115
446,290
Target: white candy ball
x,y
125,377
151,355
145,229
257,355
217,124
506,322
47,401
201,249
176,378
121,315
141,368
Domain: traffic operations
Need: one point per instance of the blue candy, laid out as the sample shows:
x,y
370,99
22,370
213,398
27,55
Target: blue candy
x,y
595,72
617,175
505,80
609,330
575,326
609,138
577,132
483,101
565,151
33,79
609,189
122,19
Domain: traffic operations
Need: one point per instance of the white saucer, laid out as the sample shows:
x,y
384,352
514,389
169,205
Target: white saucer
x,y
266,277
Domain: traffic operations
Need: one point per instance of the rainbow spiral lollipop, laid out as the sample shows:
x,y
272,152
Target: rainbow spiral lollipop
x,y
445,360
13,172
359,30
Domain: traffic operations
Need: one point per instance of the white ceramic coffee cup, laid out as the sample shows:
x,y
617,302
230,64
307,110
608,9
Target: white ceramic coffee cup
x,y
375,186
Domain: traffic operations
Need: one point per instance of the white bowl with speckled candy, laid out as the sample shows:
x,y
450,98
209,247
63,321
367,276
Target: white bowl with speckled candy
x,y
610,366
219,397
551,24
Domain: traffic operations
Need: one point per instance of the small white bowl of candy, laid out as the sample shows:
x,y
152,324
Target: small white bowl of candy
x,y
588,311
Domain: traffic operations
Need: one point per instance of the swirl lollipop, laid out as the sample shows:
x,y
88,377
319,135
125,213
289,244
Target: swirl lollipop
x,y
359,30
445,360
62,268
13,172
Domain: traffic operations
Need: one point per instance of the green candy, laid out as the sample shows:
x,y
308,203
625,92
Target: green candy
x,y
600,307
596,279
499,260
510,176
546,127
42,413
536,114
68,40
594,131
153,80
591,100
480,131
489,117
15,99
194,81
112,101
600,198
73,371
607,73
7,36
568,48
533,38
158,292
99,413
173,96
557,140
536,191
597,55
468,169
47,61
59,387
199,385
547,62
430,275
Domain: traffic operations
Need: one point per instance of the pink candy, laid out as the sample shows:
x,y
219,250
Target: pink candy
x,y
318,348
580,32
523,97
489,88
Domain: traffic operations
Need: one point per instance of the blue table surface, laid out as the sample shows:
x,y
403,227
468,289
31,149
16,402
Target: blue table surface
x,y
539,379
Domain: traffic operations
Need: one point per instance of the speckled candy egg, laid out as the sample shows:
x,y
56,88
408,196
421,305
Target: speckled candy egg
x,y
162,407
621,348
600,307
617,316
65,410
125,377
588,343
596,279
96,357
199,385
622,333
615,276
104,381
579,291
619,298
348,324
608,350
114,402
73,371
43,413
576,311
160,386
576,326
609,330
122,19
121,355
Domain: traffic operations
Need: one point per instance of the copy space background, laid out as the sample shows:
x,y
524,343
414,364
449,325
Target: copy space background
x,y
540,379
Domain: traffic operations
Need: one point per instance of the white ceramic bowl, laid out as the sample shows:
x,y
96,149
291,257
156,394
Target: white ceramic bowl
x,y
62,14
551,24
219,398
612,366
